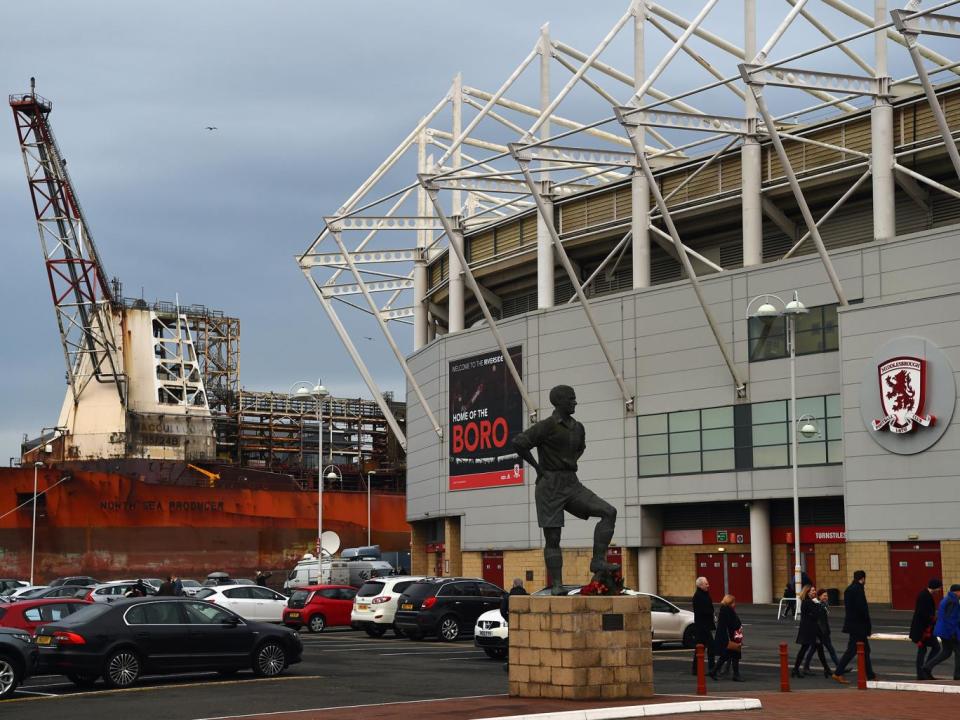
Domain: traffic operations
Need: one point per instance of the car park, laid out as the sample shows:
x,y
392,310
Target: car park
x,y
18,655
317,607
375,605
668,624
29,615
248,601
445,607
120,641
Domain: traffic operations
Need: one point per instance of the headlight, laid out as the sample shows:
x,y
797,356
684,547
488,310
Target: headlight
x,y
23,638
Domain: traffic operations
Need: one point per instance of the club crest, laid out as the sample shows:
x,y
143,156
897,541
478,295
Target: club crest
x,y
902,386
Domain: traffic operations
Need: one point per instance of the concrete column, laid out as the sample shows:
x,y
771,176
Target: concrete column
x,y
455,287
639,189
647,569
761,552
881,141
545,260
751,172
420,280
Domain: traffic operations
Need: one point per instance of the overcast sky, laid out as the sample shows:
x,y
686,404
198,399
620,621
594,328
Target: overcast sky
x,y
308,98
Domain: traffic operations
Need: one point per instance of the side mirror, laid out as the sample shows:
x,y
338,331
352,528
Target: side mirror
x,y
231,621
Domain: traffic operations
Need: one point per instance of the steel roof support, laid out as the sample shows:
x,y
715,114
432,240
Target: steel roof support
x,y
911,26
628,125
881,137
751,172
544,209
924,179
386,332
829,213
756,88
434,194
357,360
639,189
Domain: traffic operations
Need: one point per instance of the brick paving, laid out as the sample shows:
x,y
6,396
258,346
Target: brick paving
x,y
849,704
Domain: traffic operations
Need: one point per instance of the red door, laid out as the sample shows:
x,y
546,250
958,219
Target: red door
x,y
710,566
739,577
808,562
912,565
493,568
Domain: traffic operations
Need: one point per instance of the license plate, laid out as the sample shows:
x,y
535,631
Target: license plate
x,y
363,607
293,615
44,640
486,633
407,606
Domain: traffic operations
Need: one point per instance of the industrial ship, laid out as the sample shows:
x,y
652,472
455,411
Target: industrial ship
x,y
159,462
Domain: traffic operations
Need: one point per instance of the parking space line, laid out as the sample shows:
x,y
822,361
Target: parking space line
x,y
31,692
431,652
350,707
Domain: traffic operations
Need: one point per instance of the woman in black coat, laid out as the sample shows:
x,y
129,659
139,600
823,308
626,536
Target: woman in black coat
x,y
823,637
808,633
729,629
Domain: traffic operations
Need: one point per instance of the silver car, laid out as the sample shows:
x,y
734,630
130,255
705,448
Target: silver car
x,y
116,590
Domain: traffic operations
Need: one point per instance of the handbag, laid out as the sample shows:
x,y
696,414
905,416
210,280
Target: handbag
x,y
736,642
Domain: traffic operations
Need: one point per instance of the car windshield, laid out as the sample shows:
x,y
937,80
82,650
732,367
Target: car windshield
x,y
369,589
87,613
190,583
299,595
420,590
206,592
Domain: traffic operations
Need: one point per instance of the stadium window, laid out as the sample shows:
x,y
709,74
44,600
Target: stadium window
x,y
816,333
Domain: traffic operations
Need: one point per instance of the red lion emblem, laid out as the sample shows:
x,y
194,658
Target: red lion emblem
x,y
902,390
902,395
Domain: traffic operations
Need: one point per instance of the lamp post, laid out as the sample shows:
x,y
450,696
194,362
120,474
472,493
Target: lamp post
x,y
318,392
767,310
33,535
370,475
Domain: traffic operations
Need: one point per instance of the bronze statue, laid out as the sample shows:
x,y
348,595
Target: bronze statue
x,y
560,441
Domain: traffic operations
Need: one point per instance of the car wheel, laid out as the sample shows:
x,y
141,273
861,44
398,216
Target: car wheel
x,y
496,653
397,632
10,676
269,660
82,681
317,624
449,628
690,637
121,669
375,631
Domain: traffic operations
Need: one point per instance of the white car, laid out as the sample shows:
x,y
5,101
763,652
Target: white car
x,y
376,604
251,602
669,624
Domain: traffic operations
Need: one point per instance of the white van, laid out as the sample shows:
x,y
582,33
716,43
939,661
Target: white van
x,y
308,572
335,572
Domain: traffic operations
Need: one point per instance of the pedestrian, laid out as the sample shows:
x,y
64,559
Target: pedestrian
x,y
921,626
857,626
177,586
166,587
808,632
948,630
703,623
823,637
138,590
729,639
262,578
516,589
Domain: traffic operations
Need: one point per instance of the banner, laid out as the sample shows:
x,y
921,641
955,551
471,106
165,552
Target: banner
x,y
486,411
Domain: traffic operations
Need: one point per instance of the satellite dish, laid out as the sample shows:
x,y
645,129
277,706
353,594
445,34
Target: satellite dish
x,y
329,542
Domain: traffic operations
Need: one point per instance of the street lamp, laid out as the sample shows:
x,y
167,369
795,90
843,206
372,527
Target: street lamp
x,y
771,306
318,392
370,475
33,536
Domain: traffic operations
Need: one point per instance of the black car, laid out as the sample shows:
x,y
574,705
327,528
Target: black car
x,y
18,654
445,607
120,641
74,580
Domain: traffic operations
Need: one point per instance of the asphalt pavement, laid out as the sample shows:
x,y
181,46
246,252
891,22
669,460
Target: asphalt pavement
x,y
346,669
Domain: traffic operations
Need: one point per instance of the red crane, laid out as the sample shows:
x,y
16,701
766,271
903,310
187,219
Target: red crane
x,y
82,296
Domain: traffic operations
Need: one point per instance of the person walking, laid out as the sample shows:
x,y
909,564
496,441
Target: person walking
x,y
729,638
921,626
177,586
166,587
807,633
703,623
948,630
823,637
857,626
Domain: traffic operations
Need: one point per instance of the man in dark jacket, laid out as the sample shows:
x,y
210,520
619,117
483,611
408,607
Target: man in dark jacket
x,y
921,626
857,626
166,587
703,623
517,589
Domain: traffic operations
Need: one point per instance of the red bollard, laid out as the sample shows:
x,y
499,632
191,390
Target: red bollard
x,y
701,675
784,669
861,667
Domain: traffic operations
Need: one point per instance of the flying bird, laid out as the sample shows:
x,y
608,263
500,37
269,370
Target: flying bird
x,y
211,127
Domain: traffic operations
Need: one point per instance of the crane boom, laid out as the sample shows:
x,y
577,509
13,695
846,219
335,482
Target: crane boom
x,y
81,294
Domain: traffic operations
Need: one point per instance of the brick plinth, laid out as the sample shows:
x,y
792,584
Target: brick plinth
x,y
559,649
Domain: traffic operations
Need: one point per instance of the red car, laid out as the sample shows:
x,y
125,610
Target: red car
x,y
319,606
30,614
